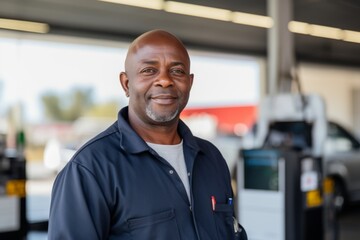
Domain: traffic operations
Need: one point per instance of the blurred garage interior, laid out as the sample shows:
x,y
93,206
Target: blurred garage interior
x,y
59,66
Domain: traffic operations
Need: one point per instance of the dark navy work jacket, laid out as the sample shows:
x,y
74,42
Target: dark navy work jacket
x,y
117,187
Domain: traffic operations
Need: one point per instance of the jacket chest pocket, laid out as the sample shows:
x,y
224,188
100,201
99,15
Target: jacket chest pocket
x,y
159,226
224,220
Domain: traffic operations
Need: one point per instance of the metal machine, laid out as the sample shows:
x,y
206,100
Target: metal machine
x,y
282,194
13,223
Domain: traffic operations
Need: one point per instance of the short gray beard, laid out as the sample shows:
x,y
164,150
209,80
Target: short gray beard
x,y
160,119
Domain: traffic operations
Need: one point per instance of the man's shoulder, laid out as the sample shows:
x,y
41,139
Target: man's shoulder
x,y
96,156
103,137
99,143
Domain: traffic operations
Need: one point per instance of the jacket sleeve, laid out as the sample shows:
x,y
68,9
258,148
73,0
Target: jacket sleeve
x,y
78,207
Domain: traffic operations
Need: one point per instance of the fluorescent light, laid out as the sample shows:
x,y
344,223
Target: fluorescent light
x,y
316,30
299,27
197,10
24,25
325,32
241,18
351,36
152,4
252,19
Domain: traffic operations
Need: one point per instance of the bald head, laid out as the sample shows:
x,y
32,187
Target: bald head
x,y
157,80
154,38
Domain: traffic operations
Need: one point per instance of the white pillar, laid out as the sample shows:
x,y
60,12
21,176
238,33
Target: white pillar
x,y
280,45
356,111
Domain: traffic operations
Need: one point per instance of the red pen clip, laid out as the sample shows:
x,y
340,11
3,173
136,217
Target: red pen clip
x,y
213,202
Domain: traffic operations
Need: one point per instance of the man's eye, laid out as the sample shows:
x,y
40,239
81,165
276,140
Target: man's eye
x,y
148,71
177,71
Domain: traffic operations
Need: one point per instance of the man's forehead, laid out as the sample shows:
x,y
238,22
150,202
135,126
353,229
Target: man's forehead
x,y
155,52
155,45
159,49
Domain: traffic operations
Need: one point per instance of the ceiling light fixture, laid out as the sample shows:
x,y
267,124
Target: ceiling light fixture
x,y
324,31
252,20
315,30
152,4
197,10
26,26
240,18
351,36
299,27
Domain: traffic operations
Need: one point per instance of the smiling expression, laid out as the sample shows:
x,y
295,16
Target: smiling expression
x,y
157,78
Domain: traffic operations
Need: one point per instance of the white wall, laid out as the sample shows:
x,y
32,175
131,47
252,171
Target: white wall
x,y
335,84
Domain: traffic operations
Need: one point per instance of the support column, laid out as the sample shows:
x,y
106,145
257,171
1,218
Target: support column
x,y
280,45
356,111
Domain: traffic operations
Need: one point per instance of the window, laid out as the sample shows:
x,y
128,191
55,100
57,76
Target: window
x,y
339,139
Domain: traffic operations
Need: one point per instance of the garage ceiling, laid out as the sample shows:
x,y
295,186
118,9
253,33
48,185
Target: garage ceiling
x,y
95,19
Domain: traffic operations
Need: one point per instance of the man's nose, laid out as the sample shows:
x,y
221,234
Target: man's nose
x,y
164,80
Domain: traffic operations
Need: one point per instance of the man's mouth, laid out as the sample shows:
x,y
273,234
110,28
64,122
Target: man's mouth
x,y
163,99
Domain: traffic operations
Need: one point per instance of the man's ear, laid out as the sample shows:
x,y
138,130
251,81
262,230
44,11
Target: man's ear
x,y
191,79
124,81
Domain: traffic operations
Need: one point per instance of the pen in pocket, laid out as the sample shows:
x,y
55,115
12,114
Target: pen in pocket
x,y
213,202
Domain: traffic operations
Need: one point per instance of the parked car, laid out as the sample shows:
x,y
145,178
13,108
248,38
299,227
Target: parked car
x,y
342,163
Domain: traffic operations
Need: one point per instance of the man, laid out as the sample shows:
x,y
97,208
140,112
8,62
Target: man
x,y
147,176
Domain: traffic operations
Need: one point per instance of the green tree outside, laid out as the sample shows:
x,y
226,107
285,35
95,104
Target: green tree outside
x,y
77,103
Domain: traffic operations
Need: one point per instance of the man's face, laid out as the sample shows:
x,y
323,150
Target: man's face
x,y
159,81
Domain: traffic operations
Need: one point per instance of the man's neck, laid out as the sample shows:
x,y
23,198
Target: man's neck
x,y
160,135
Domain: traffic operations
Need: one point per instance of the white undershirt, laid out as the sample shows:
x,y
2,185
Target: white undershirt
x,y
174,155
